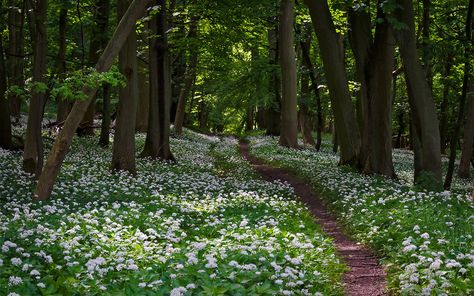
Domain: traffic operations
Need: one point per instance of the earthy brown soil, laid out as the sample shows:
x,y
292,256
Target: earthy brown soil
x,y
365,276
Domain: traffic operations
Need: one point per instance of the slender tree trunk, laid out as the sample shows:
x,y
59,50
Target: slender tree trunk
x,y
33,152
143,103
462,100
468,140
16,16
64,107
289,115
123,154
425,121
157,143
335,142
304,116
443,127
272,111
333,60
305,51
98,40
5,121
189,77
105,125
63,141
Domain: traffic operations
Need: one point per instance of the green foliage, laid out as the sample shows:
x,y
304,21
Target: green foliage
x,y
71,88
427,181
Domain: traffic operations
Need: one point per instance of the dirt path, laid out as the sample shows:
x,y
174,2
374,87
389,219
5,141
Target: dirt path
x,y
365,277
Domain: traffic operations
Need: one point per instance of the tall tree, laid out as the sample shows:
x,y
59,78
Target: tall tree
x,y
374,56
5,121
63,106
423,112
289,115
331,51
98,39
272,110
157,143
467,152
15,56
33,152
63,141
123,154
189,78
467,78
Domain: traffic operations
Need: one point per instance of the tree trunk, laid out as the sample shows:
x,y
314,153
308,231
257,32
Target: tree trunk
x,y
467,154
64,139
444,109
123,153
462,100
105,124
304,117
64,107
143,106
5,121
157,143
374,64
426,43
341,101
425,121
98,41
305,51
16,16
33,152
272,110
189,77
289,115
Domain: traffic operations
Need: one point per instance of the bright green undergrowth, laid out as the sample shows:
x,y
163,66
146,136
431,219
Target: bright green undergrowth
x,y
204,226
425,238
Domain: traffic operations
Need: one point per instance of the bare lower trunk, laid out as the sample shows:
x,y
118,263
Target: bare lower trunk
x,y
425,121
341,101
189,77
157,143
289,119
444,112
105,125
63,141
143,98
33,152
123,154
468,139
272,110
462,100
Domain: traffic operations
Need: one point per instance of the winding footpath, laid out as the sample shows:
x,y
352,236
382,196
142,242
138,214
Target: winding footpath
x,y
365,276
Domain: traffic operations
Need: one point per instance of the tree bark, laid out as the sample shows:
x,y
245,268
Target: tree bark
x,y
374,64
467,154
157,144
98,39
425,121
63,141
308,65
16,16
332,55
64,107
272,110
444,108
123,153
33,152
5,121
189,77
462,100
289,115
427,55
106,120
143,106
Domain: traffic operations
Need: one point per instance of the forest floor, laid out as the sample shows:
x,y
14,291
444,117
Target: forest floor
x,y
365,276
210,225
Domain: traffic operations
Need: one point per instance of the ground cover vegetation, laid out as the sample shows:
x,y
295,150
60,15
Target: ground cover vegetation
x,y
103,184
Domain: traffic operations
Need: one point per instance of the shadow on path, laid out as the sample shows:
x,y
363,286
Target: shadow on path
x,y
365,276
